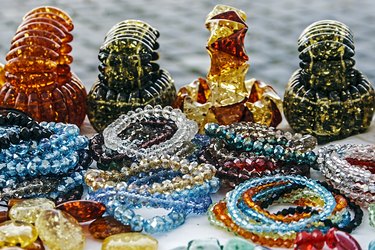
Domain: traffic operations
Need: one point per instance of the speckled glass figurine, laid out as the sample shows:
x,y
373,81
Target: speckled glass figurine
x,y
129,78
38,79
225,97
327,97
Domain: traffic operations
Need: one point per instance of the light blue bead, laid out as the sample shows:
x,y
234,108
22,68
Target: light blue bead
x,y
371,246
136,223
208,244
238,244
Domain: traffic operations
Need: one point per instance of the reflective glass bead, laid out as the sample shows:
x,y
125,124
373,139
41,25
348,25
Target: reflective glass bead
x,y
130,241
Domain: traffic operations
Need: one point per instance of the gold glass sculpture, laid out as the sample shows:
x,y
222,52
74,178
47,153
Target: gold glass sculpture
x,y
224,96
328,97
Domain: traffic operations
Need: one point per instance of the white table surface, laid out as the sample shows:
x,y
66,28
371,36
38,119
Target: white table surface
x,y
198,227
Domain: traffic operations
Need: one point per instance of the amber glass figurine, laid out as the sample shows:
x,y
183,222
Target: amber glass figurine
x,y
38,79
129,78
327,97
2,75
225,97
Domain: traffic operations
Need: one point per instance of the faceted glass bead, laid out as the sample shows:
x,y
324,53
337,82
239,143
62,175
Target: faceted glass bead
x,y
83,210
371,246
59,230
225,97
130,241
106,226
29,210
16,233
3,216
371,210
340,240
207,244
238,244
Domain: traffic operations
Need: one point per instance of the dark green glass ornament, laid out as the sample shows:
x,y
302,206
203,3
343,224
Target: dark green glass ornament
x,y
128,76
328,97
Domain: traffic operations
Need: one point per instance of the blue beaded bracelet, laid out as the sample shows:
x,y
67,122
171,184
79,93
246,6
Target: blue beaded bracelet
x,y
241,218
55,155
121,204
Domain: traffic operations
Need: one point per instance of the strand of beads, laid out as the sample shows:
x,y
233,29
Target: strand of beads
x,y
349,168
246,150
243,212
48,159
269,144
164,182
117,139
28,128
140,134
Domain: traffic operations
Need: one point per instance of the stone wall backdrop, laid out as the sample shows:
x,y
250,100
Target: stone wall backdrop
x,y
271,42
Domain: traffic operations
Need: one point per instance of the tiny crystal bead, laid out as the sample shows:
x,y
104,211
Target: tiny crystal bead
x,y
130,241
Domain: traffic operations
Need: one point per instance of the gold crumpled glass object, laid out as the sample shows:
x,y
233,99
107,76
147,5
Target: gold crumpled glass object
x,y
59,230
129,77
38,79
225,97
328,97
17,233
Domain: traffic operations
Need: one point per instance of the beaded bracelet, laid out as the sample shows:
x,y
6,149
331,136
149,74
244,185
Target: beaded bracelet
x,y
298,197
56,155
121,204
28,128
40,159
116,136
242,219
349,169
234,166
274,136
270,145
238,209
191,174
57,187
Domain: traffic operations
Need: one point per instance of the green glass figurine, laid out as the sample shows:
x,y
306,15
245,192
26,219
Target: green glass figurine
x,y
328,97
129,78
